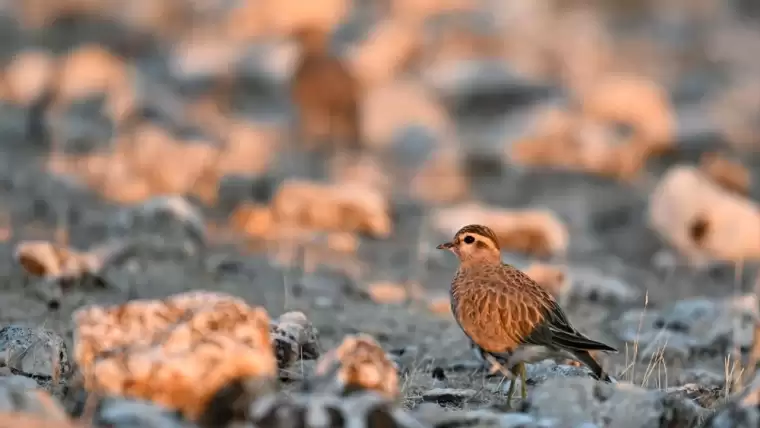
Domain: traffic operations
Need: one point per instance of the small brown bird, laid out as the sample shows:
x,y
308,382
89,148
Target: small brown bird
x,y
501,309
325,93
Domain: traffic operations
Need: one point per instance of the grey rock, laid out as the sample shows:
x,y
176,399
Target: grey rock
x,y
576,401
591,284
452,396
82,127
432,415
361,409
20,394
19,381
413,145
705,396
123,413
701,377
455,79
34,351
167,216
741,412
689,326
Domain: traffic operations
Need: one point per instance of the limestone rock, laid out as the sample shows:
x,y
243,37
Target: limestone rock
x,y
176,352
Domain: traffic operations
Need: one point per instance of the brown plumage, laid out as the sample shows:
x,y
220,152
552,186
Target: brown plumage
x,y
325,93
501,309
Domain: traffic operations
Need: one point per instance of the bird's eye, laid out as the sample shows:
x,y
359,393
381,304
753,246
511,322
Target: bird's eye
x,y
469,239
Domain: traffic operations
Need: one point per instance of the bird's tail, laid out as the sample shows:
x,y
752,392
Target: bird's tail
x,y
587,359
578,342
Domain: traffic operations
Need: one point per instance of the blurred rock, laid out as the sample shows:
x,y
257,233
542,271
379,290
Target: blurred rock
x,y
690,326
358,363
706,396
594,285
34,352
58,268
576,401
536,232
442,179
385,52
448,396
340,207
29,75
434,416
126,413
294,338
743,411
177,352
552,278
485,85
703,221
323,410
81,127
391,107
702,377
166,216
727,173
634,101
20,394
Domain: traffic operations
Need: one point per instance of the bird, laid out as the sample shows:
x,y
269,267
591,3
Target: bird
x,y
503,311
325,92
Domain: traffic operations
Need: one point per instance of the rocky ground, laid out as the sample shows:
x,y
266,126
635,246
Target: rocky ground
x,y
684,333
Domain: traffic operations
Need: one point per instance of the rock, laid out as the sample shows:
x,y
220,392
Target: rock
x,y
358,363
701,377
124,413
20,394
703,221
450,396
177,352
577,401
324,410
34,352
591,284
294,338
161,215
458,80
433,416
741,412
82,127
706,396
688,326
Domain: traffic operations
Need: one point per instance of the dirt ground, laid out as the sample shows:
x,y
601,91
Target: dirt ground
x,y
606,221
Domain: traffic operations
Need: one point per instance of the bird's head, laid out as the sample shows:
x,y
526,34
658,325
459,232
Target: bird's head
x,y
474,243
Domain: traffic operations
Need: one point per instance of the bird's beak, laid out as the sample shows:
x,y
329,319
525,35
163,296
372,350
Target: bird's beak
x,y
445,246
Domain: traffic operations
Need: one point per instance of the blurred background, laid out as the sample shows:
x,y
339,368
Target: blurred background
x,y
613,140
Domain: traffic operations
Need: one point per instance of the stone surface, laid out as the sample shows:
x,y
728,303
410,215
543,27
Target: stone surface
x,y
34,351
452,396
123,413
434,416
578,401
698,325
20,394
294,338
325,410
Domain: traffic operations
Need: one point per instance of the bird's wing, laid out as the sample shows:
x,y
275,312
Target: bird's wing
x,y
545,323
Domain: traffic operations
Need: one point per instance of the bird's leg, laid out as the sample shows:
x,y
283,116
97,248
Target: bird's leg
x,y
510,392
523,380
497,367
